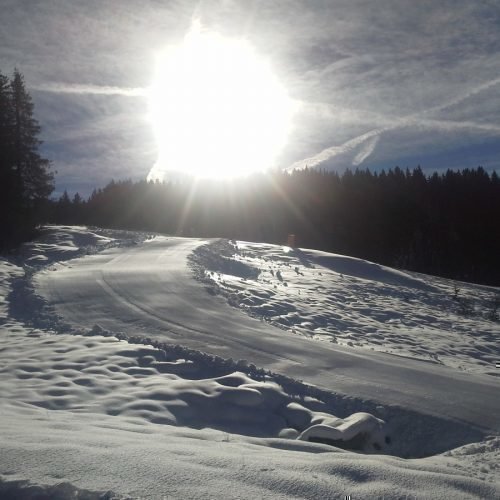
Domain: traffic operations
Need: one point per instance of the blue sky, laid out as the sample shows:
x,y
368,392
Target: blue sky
x,y
380,82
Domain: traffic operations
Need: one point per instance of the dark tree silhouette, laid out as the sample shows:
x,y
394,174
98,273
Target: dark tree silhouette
x,y
25,175
446,224
7,181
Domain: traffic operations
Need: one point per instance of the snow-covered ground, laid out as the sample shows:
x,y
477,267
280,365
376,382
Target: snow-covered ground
x,y
358,303
89,404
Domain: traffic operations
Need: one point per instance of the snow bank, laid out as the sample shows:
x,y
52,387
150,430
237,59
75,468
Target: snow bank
x,y
357,303
24,490
138,459
106,375
61,243
360,431
87,410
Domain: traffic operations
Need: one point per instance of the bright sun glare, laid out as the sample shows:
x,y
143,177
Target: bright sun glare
x,y
217,109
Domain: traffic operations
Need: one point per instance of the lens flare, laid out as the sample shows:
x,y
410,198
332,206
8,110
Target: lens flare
x,y
217,109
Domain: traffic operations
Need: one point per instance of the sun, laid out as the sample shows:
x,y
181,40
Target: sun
x,y
217,109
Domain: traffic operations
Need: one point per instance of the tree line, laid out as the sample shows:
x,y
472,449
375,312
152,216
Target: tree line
x,y
446,224
25,177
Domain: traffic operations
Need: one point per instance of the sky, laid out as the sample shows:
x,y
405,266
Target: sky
x,y
378,83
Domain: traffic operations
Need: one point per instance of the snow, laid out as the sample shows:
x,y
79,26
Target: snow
x,y
148,291
358,303
92,408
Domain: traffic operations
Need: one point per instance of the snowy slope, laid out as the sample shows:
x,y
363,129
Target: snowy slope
x,y
149,290
95,412
358,303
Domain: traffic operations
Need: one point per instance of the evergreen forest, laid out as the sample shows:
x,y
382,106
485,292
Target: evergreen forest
x,y
447,224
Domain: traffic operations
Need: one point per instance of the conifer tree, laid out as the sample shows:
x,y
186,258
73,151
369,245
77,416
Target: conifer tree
x,y
7,191
25,177
32,170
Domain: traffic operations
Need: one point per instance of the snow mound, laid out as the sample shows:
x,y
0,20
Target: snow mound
x,y
362,269
479,460
360,431
357,303
138,459
61,243
218,259
24,490
106,375
56,243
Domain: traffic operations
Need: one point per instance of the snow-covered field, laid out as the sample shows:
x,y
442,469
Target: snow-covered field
x,y
358,303
124,376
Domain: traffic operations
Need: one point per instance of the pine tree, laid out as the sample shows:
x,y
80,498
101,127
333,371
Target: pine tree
x,y
7,191
25,177
32,170
6,126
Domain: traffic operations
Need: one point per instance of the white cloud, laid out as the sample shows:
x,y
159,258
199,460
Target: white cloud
x,y
370,139
66,88
425,71
366,150
332,152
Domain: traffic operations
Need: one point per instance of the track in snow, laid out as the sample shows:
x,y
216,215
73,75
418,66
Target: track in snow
x,y
149,290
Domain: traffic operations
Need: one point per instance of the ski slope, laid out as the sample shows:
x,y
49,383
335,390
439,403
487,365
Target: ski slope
x,y
155,366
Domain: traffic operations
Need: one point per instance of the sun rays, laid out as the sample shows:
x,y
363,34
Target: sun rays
x,y
217,109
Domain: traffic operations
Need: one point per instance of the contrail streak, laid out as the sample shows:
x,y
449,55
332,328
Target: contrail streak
x,y
411,119
366,150
76,88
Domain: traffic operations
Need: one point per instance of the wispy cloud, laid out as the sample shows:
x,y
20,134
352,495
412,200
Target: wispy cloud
x,y
366,150
368,141
462,97
333,151
83,89
416,81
